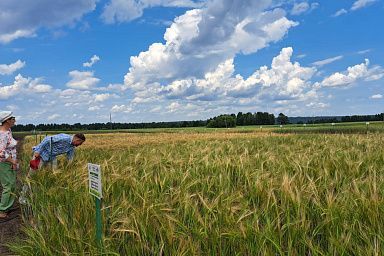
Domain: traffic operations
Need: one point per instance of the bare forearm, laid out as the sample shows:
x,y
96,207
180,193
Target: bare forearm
x,y
11,160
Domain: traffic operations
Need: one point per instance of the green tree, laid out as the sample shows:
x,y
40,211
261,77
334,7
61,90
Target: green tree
x,y
282,119
222,121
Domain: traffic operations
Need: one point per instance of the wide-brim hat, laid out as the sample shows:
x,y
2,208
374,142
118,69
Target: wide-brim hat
x,y
5,115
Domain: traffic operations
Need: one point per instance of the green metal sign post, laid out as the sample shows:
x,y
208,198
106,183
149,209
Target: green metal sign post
x,y
99,225
95,189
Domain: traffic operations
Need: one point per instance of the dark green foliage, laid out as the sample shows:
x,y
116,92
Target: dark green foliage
x,y
222,121
282,119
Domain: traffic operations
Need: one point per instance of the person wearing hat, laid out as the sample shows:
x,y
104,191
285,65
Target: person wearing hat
x,y
8,162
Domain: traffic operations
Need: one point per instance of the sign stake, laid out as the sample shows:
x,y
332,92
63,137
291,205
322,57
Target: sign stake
x,y
95,189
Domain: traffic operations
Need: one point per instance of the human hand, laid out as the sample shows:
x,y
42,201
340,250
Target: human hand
x,y
36,155
15,164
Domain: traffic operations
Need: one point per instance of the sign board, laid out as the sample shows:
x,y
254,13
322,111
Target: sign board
x,y
94,173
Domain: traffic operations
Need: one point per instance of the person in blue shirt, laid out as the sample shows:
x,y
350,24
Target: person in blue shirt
x,y
55,145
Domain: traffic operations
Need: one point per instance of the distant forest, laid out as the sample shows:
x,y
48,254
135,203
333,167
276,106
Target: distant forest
x,y
226,120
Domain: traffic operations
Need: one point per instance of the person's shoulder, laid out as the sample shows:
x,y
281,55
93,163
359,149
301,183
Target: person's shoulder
x,y
63,135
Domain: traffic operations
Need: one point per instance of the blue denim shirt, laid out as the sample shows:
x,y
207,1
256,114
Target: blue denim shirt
x,y
61,144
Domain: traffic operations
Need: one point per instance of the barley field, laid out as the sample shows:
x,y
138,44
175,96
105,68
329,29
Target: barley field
x,y
214,193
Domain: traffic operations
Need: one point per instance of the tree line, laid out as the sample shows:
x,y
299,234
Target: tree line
x,y
221,121
232,120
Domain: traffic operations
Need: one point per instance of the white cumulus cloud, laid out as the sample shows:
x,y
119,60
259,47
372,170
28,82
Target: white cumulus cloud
x,y
11,68
353,74
15,88
92,61
102,97
82,80
376,96
24,85
198,41
285,80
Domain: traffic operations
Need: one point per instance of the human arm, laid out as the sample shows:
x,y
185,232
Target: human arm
x,y
7,150
71,154
41,149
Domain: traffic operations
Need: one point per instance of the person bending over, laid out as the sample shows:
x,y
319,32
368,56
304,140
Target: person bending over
x,y
52,146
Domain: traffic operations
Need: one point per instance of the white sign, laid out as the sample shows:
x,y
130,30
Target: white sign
x,y
94,173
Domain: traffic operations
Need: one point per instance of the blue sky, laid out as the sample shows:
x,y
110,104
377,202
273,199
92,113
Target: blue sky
x,y
166,60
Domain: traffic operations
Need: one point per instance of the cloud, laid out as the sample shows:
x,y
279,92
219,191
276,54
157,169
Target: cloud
x,y
300,56
353,74
346,78
327,61
340,12
93,60
356,5
317,105
23,18
53,117
102,97
12,35
94,108
361,4
302,7
9,69
198,41
299,8
24,85
283,83
37,86
13,89
121,108
174,106
376,96
284,80
375,73
82,80
117,11
364,51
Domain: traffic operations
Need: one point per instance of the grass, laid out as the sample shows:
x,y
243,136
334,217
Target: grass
x,y
226,193
336,128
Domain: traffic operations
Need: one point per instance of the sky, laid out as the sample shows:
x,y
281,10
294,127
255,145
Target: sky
x,y
70,61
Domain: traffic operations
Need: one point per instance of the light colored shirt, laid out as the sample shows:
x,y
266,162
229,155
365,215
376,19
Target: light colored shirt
x,y
7,146
52,146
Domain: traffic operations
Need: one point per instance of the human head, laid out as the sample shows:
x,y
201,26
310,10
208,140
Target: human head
x,y
78,139
7,118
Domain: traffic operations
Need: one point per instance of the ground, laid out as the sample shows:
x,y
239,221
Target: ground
x,y
10,228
